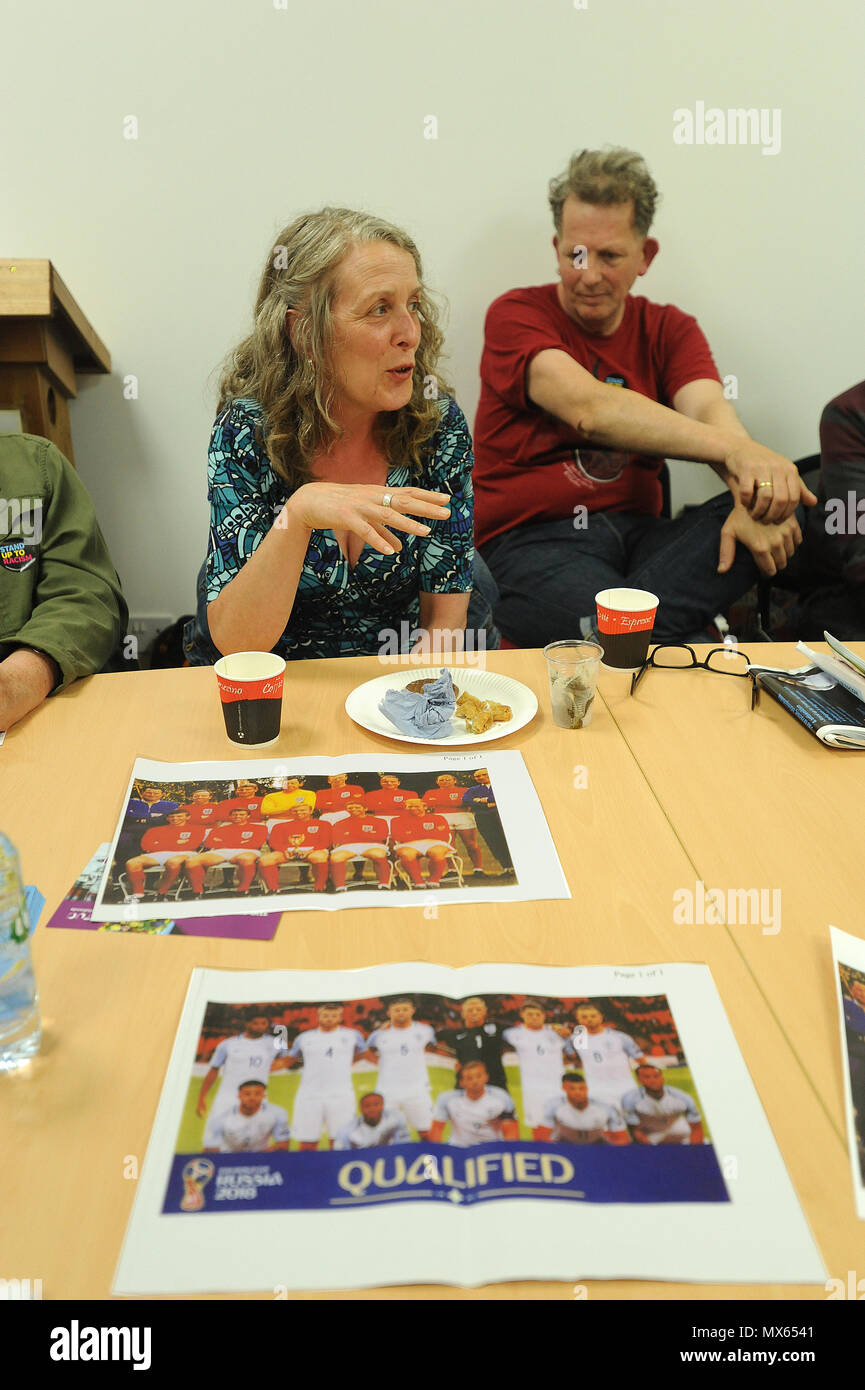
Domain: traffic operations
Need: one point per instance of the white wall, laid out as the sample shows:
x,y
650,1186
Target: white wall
x,y
249,114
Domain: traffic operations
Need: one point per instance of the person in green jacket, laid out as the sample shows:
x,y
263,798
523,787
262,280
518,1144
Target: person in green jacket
x,y
62,612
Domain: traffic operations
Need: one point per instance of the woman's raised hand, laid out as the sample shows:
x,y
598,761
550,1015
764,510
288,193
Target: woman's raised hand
x,y
358,507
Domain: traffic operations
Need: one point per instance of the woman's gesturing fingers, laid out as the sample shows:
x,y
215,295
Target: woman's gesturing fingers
x,y
361,508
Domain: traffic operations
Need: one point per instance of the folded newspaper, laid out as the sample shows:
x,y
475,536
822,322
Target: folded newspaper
x,y
827,696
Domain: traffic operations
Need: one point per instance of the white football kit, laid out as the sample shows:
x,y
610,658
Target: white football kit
x,y
669,1118
325,1097
540,1052
474,1121
242,1059
604,1062
403,1078
391,1129
234,1132
587,1126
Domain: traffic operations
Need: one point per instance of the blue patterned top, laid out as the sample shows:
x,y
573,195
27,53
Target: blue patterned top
x,y
338,611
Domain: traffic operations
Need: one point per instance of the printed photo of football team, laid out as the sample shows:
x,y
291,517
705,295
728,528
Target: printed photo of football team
x,y
363,1073
379,832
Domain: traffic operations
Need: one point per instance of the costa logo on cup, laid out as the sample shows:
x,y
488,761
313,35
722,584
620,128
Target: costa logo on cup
x,y
250,689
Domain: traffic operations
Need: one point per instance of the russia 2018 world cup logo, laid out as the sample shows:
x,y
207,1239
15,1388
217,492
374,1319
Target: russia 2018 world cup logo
x,y
196,1175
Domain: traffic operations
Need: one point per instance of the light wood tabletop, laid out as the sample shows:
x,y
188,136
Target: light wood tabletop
x,y
631,830
759,803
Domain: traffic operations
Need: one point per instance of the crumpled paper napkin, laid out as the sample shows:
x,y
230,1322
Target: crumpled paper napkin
x,y
427,713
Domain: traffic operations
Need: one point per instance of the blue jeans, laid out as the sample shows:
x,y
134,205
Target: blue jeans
x,y
485,596
548,574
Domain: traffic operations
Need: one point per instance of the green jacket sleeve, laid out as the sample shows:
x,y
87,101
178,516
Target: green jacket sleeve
x,y
78,613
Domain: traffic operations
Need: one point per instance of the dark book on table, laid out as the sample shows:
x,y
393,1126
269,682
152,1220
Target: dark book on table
x,y
836,716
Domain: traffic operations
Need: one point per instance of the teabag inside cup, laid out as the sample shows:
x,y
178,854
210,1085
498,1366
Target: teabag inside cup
x,y
572,698
427,713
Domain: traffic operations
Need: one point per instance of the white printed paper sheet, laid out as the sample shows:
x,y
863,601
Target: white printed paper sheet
x,y
414,1124
207,839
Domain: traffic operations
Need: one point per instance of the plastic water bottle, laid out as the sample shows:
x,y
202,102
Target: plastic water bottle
x,y
20,1025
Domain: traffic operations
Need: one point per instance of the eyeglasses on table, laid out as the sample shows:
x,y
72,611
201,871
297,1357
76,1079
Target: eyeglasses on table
x,y
721,661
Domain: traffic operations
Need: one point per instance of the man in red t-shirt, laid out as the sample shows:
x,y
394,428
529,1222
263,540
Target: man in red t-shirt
x,y
363,834
239,842
247,796
203,810
584,390
340,791
390,798
301,840
421,832
172,846
446,797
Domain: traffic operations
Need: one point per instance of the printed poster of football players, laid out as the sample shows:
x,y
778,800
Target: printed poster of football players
x,y
550,1103
209,838
849,957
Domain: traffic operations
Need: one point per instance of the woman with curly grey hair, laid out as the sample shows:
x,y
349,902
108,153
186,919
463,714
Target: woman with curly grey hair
x,y
339,472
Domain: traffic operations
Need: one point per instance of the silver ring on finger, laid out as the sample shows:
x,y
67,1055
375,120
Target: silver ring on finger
x,y
386,499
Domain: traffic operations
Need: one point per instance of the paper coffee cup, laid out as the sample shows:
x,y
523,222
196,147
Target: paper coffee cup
x,y
250,688
625,621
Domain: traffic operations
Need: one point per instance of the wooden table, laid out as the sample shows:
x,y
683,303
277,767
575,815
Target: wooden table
x,y
111,1003
757,802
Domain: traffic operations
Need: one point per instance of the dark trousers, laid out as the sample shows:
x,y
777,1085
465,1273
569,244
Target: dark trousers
x,y
491,829
548,575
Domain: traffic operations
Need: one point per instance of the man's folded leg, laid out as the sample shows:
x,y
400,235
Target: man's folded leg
x,y
548,575
678,561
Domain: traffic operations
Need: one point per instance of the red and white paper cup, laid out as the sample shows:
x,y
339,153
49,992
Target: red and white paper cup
x,y
250,688
625,621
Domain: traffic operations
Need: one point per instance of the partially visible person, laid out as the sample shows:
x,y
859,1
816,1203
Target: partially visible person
x,y
339,791
363,835
854,1023
540,1051
480,800
390,798
203,810
239,1058
585,389
150,807
420,833
171,846
399,1049
238,842
62,611
340,467
247,796
280,805
828,572
661,1114
301,841
477,1112
325,1098
571,1118
605,1054
446,797
148,811
374,1127
478,1040
252,1125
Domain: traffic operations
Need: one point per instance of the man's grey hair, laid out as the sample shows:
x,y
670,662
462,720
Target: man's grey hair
x,y
607,177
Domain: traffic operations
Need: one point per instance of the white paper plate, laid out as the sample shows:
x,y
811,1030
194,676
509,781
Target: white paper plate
x,y
362,704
